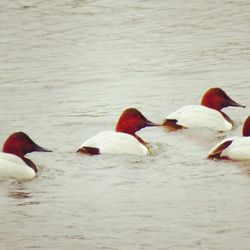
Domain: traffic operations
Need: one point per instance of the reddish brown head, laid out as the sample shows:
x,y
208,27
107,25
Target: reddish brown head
x,y
246,127
217,99
20,144
132,121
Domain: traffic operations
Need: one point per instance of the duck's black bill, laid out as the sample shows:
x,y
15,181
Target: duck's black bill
x,y
232,103
151,124
40,149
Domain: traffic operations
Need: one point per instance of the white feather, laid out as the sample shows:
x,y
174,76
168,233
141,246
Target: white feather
x,y
11,166
198,116
239,149
110,142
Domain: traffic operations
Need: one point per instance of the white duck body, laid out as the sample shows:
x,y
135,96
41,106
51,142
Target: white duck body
x,y
11,166
109,142
239,149
198,116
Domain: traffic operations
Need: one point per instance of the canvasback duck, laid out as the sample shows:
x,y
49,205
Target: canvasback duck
x,y
206,115
121,141
13,164
235,148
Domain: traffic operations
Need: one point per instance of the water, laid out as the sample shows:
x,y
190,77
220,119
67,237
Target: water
x,y
67,71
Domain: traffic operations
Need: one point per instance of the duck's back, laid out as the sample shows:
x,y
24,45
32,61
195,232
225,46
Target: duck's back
x,y
109,142
239,149
12,166
198,116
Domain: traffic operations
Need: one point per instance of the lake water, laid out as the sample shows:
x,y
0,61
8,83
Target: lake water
x,y
67,71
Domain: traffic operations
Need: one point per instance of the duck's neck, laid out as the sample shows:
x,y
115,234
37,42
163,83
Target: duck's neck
x,y
133,134
227,117
30,163
139,139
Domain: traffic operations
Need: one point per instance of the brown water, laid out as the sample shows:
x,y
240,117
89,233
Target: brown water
x,y
67,71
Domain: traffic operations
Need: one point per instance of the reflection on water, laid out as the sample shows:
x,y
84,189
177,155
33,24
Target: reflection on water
x,y
22,196
68,70
19,195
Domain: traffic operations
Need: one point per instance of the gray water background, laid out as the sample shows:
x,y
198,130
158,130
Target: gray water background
x,y
67,71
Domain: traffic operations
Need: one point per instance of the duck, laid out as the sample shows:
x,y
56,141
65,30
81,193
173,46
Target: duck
x,y
123,140
234,148
13,163
207,115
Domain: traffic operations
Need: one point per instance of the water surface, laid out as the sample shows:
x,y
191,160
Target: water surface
x,y
67,71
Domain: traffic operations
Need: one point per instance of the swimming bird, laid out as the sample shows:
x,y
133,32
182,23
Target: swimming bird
x,y
235,148
13,163
123,140
207,115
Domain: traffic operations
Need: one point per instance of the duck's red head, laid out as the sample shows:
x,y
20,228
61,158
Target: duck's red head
x,y
217,99
246,127
20,144
131,121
